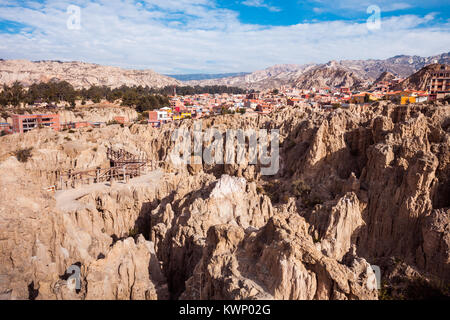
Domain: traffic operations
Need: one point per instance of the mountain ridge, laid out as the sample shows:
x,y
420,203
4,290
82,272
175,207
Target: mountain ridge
x,y
352,73
356,71
79,74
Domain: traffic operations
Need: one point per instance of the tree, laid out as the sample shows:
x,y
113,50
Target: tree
x,y
16,94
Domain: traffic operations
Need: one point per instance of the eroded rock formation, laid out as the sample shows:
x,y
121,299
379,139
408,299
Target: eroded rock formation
x,y
356,187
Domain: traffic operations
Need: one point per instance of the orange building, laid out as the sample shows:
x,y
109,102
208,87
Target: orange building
x,y
264,108
293,101
27,122
76,125
120,119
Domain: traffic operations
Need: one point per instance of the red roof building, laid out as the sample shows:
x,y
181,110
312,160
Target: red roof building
x,y
25,123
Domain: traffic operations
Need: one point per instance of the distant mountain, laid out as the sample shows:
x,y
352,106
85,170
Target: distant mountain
x,y
79,74
332,74
205,76
276,76
352,73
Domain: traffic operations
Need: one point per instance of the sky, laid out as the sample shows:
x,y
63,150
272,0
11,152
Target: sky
x,y
219,36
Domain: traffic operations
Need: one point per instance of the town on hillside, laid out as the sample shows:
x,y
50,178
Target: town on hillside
x,y
199,105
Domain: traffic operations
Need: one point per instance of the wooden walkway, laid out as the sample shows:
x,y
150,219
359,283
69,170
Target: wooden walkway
x,y
123,167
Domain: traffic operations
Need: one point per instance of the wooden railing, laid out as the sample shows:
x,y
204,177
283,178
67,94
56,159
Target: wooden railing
x,y
124,166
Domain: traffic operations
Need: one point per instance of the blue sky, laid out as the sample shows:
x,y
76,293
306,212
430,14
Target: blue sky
x,y
214,36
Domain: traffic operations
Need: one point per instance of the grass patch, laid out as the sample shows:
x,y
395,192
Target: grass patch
x,y
133,232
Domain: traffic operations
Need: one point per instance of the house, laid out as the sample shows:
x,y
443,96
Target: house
x,y
176,105
293,102
217,110
186,114
393,96
98,124
25,123
412,96
120,119
75,125
407,99
176,116
363,97
264,108
251,103
158,117
253,96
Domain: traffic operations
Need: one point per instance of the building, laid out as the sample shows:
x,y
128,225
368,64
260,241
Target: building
x,y
120,119
5,128
293,102
76,125
176,105
345,90
251,103
439,85
264,108
158,117
253,96
27,122
407,99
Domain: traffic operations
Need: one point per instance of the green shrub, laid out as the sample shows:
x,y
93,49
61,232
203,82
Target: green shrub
x,y
23,155
311,202
336,106
113,122
133,232
300,188
420,289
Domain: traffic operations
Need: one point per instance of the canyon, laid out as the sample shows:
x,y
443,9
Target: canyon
x,y
356,187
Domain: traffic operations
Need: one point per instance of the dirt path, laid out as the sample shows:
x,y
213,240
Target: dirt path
x,y
67,200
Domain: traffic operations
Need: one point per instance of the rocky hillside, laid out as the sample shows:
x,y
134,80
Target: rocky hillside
x,y
357,187
273,77
330,75
419,80
346,72
385,76
79,74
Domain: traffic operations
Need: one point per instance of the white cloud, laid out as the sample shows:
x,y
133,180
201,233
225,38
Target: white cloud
x,y
396,6
260,4
195,36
